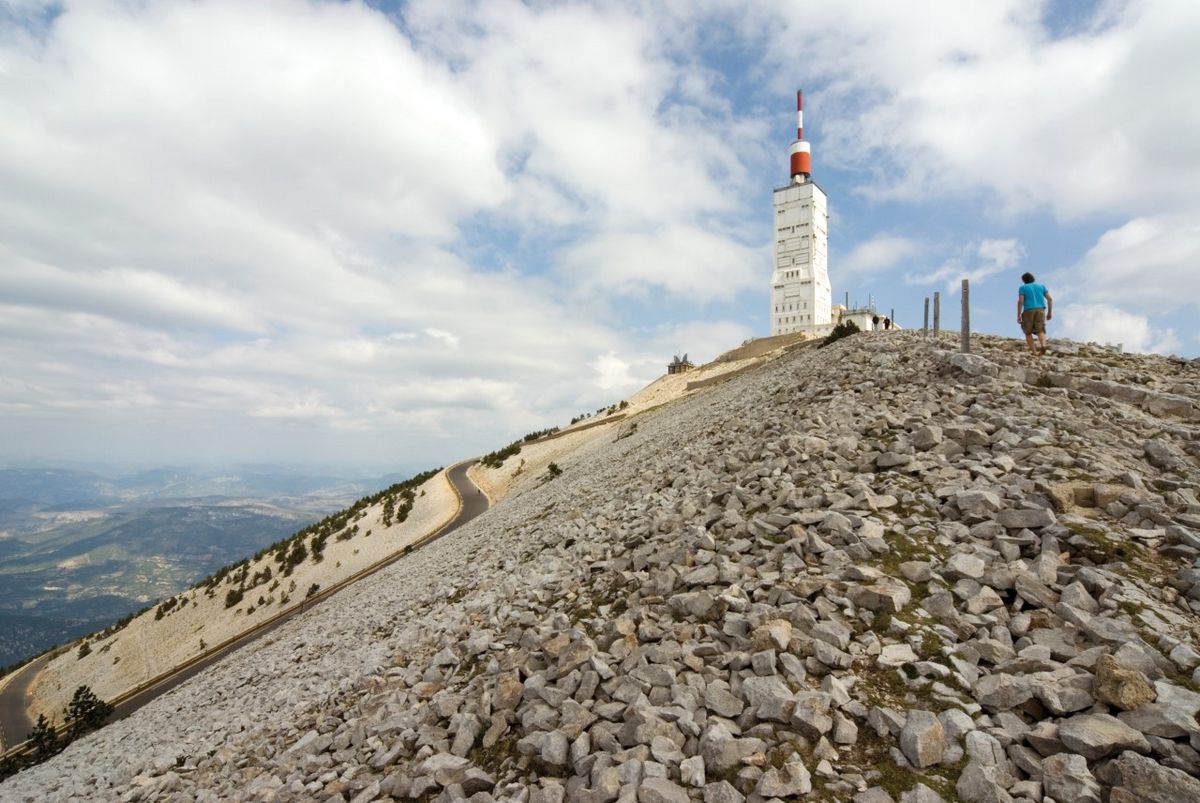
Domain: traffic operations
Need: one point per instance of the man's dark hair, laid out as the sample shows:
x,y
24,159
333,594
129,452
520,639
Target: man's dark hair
x,y
1027,278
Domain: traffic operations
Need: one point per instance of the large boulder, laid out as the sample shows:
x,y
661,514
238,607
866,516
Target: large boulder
x,y
1095,736
887,595
1124,688
790,780
1137,779
923,740
1066,777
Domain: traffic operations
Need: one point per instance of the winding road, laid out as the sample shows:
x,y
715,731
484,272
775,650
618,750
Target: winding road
x,y
15,724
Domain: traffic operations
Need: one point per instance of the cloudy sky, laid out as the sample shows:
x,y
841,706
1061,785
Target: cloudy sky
x,y
397,234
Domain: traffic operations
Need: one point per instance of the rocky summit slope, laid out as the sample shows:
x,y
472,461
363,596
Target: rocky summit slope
x,y
875,571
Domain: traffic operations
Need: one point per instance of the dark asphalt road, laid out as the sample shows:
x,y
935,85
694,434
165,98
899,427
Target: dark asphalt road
x,y
15,723
474,501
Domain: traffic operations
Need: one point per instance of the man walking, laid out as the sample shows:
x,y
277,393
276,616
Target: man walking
x,y
1035,306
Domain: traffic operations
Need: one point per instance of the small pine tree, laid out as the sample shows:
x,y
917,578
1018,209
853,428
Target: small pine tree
x,y
86,712
45,739
85,650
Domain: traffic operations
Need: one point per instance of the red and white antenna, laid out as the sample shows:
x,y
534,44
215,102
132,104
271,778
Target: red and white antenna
x,y
801,154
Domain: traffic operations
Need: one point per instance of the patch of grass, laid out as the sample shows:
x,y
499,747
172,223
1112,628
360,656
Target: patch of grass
x,y
872,753
496,758
886,688
1138,561
1130,607
931,644
942,779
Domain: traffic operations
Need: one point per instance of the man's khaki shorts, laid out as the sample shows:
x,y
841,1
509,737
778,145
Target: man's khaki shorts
x,y
1033,321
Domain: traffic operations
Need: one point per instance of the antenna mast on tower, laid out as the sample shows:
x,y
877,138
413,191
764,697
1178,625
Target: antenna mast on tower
x,y
800,152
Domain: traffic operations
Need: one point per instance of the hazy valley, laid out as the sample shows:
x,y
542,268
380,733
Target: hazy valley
x,y
81,549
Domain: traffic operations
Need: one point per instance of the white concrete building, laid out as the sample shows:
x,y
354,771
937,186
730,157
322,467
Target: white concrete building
x,y
801,297
863,318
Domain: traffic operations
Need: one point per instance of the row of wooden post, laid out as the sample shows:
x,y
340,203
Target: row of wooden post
x,y
964,340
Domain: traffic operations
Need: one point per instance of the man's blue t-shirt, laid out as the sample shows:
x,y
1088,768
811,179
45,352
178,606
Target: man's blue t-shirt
x,y
1034,295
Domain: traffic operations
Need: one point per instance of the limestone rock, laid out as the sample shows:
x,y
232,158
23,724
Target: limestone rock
x,y
962,565
923,740
790,780
1124,688
921,794
721,701
1026,519
775,634
1095,736
977,503
1141,779
1000,692
691,771
770,696
1066,777
722,792
661,790
979,783
722,751
888,595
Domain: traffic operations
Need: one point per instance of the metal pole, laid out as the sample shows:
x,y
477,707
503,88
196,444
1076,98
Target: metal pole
x,y
892,317
925,326
937,312
965,338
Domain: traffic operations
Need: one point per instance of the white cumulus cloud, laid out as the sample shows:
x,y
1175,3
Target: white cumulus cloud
x,y
975,262
1104,323
878,253
1150,261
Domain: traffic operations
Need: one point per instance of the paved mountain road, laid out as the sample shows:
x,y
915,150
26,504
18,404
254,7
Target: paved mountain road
x,y
15,723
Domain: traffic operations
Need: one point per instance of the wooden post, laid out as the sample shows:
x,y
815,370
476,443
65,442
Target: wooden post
x,y
925,326
965,337
937,313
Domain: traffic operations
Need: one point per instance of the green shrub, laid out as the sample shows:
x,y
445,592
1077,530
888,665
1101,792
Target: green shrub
x,y
45,739
317,547
165,608
541,433
295,557
496,459
843,329
85,712
233,597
